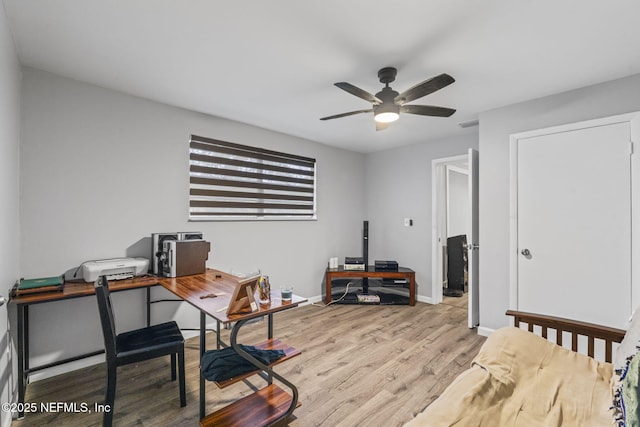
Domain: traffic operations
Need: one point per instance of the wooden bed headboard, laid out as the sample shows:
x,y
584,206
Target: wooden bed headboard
x,y
575,328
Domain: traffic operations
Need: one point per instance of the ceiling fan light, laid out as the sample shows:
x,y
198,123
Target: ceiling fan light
x,y
386,112
386,117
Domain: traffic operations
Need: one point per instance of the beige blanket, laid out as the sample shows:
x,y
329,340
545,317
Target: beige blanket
x,y
519,379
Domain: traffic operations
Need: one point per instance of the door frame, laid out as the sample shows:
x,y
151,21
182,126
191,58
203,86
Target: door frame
x,y
634,120
439,215
439,205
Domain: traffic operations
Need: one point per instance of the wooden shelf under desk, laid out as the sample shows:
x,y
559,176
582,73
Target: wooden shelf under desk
x,y
271,344
259,409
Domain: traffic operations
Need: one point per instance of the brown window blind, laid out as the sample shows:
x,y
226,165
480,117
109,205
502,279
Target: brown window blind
x,y
234,181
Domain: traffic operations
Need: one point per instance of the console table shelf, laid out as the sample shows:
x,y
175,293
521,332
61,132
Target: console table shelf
x,y
370,272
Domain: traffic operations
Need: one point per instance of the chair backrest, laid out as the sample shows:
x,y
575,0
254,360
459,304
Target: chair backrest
x,y
106,317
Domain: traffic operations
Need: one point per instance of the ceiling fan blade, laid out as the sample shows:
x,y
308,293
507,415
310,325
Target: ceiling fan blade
x,y
351,113
424,88
381,126
427,110
360,93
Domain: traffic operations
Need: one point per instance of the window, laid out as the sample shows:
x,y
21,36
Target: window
x,y
229,181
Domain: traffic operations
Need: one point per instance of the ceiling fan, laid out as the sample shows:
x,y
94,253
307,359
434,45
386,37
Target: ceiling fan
x,y
388,104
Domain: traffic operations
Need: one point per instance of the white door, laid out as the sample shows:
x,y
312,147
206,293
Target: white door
x,y
472,241
573,227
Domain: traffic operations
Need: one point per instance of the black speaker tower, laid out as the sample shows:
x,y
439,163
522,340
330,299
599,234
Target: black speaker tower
x,y
365,244
365,255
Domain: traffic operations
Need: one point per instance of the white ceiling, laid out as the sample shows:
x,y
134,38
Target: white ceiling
x,y
273,63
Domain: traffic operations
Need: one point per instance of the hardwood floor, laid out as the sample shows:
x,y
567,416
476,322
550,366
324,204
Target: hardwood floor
x,y
360,366
461,302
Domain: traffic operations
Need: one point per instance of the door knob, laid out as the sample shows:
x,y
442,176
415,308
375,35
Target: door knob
x,y
525,252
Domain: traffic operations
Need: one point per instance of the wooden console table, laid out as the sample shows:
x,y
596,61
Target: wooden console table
x,y
370,272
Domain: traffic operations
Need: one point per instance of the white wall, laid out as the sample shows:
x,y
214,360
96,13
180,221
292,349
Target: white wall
x,y
398,187
602,100
9,195
101,171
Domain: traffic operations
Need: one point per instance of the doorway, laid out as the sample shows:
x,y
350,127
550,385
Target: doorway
x,y
455,217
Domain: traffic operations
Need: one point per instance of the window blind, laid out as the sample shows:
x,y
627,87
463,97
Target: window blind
x,y
233,181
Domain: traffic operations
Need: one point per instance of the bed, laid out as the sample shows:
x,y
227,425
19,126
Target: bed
x,y
522,379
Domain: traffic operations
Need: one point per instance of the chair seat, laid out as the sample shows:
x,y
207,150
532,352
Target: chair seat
x,y
160,339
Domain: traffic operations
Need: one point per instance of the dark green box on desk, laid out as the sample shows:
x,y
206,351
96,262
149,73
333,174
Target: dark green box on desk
x,y
43,284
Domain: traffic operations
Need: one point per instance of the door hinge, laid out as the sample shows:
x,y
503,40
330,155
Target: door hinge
x,y
630,147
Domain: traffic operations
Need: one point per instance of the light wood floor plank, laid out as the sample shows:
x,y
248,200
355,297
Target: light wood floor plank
x,y
360,366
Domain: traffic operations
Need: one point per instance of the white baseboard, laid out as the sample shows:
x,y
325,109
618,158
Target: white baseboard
x,y
422,298
67,367
90,361
485,332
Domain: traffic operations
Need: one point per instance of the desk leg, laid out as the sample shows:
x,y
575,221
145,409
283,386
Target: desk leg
x,y
270,336
22,356
148,306
203,348
26,343
255,362
218,339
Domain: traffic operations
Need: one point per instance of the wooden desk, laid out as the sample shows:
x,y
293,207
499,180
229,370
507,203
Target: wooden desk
x,y
341,273
267,405
190,289
70,290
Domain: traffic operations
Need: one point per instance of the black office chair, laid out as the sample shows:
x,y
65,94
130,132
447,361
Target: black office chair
x,y
135,346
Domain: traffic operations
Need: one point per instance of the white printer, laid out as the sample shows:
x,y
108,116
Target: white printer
x,y
114,268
